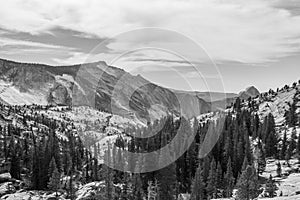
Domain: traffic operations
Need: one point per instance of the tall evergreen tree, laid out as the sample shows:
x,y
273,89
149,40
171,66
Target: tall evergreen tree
x,y
52,167
54,182
229,179
271,137
293,143
261,160
278,170
283,146
247,185
14,154
212,180
138,192
166,176
220,179
288,156
291,115
198,187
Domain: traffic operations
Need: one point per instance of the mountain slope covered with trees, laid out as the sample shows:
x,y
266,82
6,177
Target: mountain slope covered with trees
x,y
50,151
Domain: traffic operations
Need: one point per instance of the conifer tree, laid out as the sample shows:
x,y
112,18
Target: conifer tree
x,y
247,185
198,187
229,179
291,115
166,176
138,192
293,143
126,189
278,170
14,155
288,156
54,182
52,167
261,160
271,187
271,137
212,180
237,105
67,162
95,170
284,146
220,179
240,156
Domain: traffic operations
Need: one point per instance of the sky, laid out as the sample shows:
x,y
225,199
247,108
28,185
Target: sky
x,y
203,45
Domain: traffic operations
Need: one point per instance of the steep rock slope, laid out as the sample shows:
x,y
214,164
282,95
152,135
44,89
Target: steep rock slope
x,y
249,92
95,84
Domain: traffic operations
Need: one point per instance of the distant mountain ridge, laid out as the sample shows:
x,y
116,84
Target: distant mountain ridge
x,y
249,92
208,96
106,87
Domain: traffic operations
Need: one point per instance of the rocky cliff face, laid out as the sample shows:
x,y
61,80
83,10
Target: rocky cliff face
x,y
95,84
249,92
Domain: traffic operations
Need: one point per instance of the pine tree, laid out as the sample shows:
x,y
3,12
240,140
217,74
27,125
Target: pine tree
x,y
67,161
5,146
14,155
166,176
95,170
212,180
278,170
247,185
138,192
288,156
198,187
293,143
271,137
220,179
70,187
248,152
261,162
284,146
126,189
291,115
54,182
52,167
271,187
237,105
229,179
240,156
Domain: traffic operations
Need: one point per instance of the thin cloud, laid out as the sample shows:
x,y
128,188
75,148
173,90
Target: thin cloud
x,y
259,31
7,42
164,61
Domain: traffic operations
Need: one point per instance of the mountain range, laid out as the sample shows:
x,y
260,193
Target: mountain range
x,y
106,88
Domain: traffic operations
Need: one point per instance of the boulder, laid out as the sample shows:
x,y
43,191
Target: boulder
x,y
5,177
6,188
